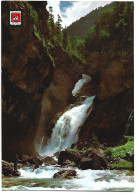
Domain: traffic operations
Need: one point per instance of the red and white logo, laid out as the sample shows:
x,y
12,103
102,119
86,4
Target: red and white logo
x,y
15,17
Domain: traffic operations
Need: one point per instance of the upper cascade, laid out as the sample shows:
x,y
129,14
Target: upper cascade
x,y
85,79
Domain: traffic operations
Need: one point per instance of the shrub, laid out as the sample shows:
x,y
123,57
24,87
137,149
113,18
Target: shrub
x,y
120,151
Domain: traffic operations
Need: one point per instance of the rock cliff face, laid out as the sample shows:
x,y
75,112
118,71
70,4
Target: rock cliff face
x,y
26,72
34,86
112,83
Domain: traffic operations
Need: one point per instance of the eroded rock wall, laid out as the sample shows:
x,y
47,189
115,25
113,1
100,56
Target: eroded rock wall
x,y
27,71
113,84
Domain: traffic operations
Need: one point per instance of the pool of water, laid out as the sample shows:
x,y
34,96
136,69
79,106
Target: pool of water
x,y
86,180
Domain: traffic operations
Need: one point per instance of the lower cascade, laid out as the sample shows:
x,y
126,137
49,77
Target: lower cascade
x,y
65,132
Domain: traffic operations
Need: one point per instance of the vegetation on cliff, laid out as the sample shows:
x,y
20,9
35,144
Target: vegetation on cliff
x,y
112,28
79,28
37,32
122,150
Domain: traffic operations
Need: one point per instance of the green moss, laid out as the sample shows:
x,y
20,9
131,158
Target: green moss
x,y
123,165
71,150
104,33
36,33
33,13
120,151
88,149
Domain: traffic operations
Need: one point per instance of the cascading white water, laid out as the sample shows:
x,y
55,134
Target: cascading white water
x,y
80,83
65,132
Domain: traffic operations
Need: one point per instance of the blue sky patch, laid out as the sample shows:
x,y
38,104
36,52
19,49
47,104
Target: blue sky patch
x,y
65,4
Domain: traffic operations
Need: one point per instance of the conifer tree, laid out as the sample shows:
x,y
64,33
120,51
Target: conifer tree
x,y
59,30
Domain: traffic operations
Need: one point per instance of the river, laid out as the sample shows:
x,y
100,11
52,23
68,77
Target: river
x,y
86,180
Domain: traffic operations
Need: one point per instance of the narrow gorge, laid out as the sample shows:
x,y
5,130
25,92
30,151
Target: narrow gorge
x,y
68,99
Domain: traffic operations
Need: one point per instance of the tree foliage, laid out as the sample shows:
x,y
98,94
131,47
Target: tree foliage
x,y
112,29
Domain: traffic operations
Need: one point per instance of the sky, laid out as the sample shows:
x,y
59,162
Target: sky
x,y
71,11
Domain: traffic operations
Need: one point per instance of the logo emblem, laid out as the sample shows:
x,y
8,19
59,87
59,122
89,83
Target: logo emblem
x,y
15,17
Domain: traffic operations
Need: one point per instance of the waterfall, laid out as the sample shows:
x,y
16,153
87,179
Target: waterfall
x,y
80,83
66,129
65,132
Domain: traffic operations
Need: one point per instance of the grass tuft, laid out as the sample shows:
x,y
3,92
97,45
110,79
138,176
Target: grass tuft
x,y
122,165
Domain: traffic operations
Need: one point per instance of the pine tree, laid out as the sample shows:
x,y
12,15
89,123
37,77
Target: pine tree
x,y
51,24
59,30
51,17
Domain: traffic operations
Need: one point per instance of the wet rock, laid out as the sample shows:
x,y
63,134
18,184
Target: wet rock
x,y
93,162
8,170
57,154
69,163
67,155
16,173
29,160
102,146
129,157
38,160
68,174
82,145
92,159
118,160
50,161
25,158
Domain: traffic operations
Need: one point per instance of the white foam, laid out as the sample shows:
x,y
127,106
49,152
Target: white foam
x,y
93,180
65,132
102,180
80,83
46,172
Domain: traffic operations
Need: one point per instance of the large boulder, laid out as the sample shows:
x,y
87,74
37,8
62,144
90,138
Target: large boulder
x,y
25,159
68,155
50,161
7,168
93,162
68,174
82,144
68,163
92,159
56,154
